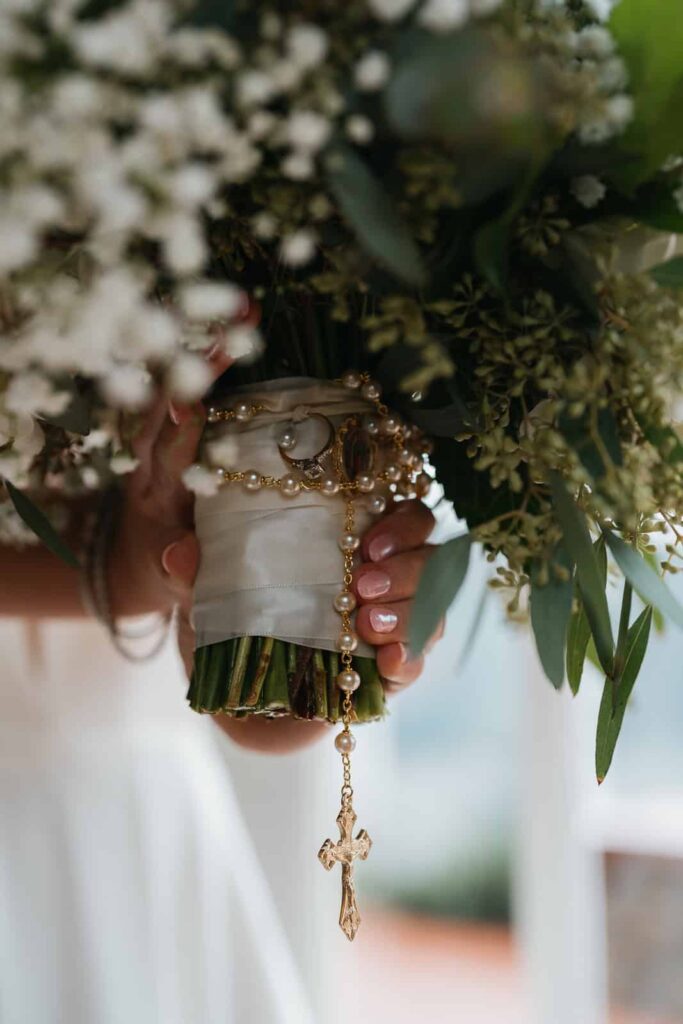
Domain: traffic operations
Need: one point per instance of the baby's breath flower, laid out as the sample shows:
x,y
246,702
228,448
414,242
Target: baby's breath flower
x,y
372,71
588,190
298,248
359,129
201,481
444,15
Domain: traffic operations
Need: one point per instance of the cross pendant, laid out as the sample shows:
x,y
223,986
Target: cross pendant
x,y
345,852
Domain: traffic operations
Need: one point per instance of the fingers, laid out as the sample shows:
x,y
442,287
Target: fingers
x,y
397,668
395,579
180,561
382,623
404,529
174,451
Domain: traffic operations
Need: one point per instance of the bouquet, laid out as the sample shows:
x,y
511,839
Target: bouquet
x,y
442,230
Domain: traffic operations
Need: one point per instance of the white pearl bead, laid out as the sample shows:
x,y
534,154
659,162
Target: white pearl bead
x,y
390,424
365,483
329,486
377,504
348,680
345,742
371,391
349,542
290,486
405,456
347,641
345,601
393,472
351,379
252,480
211,414
242,411
372,426
287,439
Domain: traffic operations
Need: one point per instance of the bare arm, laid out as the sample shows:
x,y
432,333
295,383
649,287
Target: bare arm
x,y
36,584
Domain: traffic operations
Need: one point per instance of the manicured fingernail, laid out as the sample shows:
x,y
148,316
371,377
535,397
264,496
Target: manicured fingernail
x,y
373,584
381,547
382,620
165,556
402,653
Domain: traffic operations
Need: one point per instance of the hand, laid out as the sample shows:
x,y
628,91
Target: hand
x,y
394,552
155,554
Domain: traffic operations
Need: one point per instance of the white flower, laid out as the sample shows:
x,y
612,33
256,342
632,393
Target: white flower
x,y
260,124
307,130
595,41
298,248
90,478
183,243
32,393
390,10
189,377
359,129
211,300
191,185
223,451
444,15
620,110
601,8
307,45
372,71
613,74
242,341
18,242
264,225
127,386
482,8
254,88
122,462
588,190
201,480
298,166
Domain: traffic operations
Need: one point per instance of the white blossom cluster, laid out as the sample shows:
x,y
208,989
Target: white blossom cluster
x,y
123,137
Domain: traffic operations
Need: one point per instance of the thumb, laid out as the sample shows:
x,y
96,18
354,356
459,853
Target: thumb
x,y
180,561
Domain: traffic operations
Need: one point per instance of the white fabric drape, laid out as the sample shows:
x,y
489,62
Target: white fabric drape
x,y
271,565
129,889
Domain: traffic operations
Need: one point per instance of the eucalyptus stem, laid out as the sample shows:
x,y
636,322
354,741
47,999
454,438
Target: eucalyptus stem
x,y
238,673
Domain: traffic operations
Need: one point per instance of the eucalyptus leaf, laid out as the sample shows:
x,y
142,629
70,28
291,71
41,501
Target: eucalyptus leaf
x,y
669,274
577,542
650,41
368,210
644,580
439,584
616,695
551,607
41,525
579,630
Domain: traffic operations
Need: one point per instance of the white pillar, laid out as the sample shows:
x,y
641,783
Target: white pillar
x,y
559,890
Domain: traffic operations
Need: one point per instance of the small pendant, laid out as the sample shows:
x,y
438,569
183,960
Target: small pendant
x,y
344,852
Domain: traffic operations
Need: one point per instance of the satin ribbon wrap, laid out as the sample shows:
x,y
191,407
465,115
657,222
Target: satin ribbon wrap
x,y
271,565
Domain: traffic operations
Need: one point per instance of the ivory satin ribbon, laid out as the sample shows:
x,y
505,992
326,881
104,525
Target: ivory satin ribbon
x,y
271,565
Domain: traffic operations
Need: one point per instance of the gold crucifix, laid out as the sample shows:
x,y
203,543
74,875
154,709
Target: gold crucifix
x,y
345,852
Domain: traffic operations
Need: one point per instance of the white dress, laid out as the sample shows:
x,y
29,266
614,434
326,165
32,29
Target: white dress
x,y
129,889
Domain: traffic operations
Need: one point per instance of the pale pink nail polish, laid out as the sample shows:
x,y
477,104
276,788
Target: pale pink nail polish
x,y
373,584
165,556
382,620
381,547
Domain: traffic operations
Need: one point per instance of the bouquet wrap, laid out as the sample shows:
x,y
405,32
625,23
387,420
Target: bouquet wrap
x,y
270,568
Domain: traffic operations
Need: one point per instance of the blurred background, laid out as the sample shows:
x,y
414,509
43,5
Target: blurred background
x,y
503,884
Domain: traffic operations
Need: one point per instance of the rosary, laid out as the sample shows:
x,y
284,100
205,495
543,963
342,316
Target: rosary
x,y
370,458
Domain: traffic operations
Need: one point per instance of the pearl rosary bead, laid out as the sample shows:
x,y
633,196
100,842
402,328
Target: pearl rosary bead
x,y
242,411
371,391
345,742
329,486
365,483
348,680
349,542
372,426
252,480
345,601
377,504
393,473
290,486
405,456
390,425
287,439
347,641
352,380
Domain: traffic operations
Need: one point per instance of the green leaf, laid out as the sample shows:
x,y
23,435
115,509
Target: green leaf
x,y
577,542
491,252
551,607
41,525
644,580
583,433
654,205
669,274
579,631
650,40
439,584
615,696
368,210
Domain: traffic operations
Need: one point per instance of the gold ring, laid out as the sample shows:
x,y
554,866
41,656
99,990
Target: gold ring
x,y
312,466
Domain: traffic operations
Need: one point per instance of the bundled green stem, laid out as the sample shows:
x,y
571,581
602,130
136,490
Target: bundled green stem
x,y
260,675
